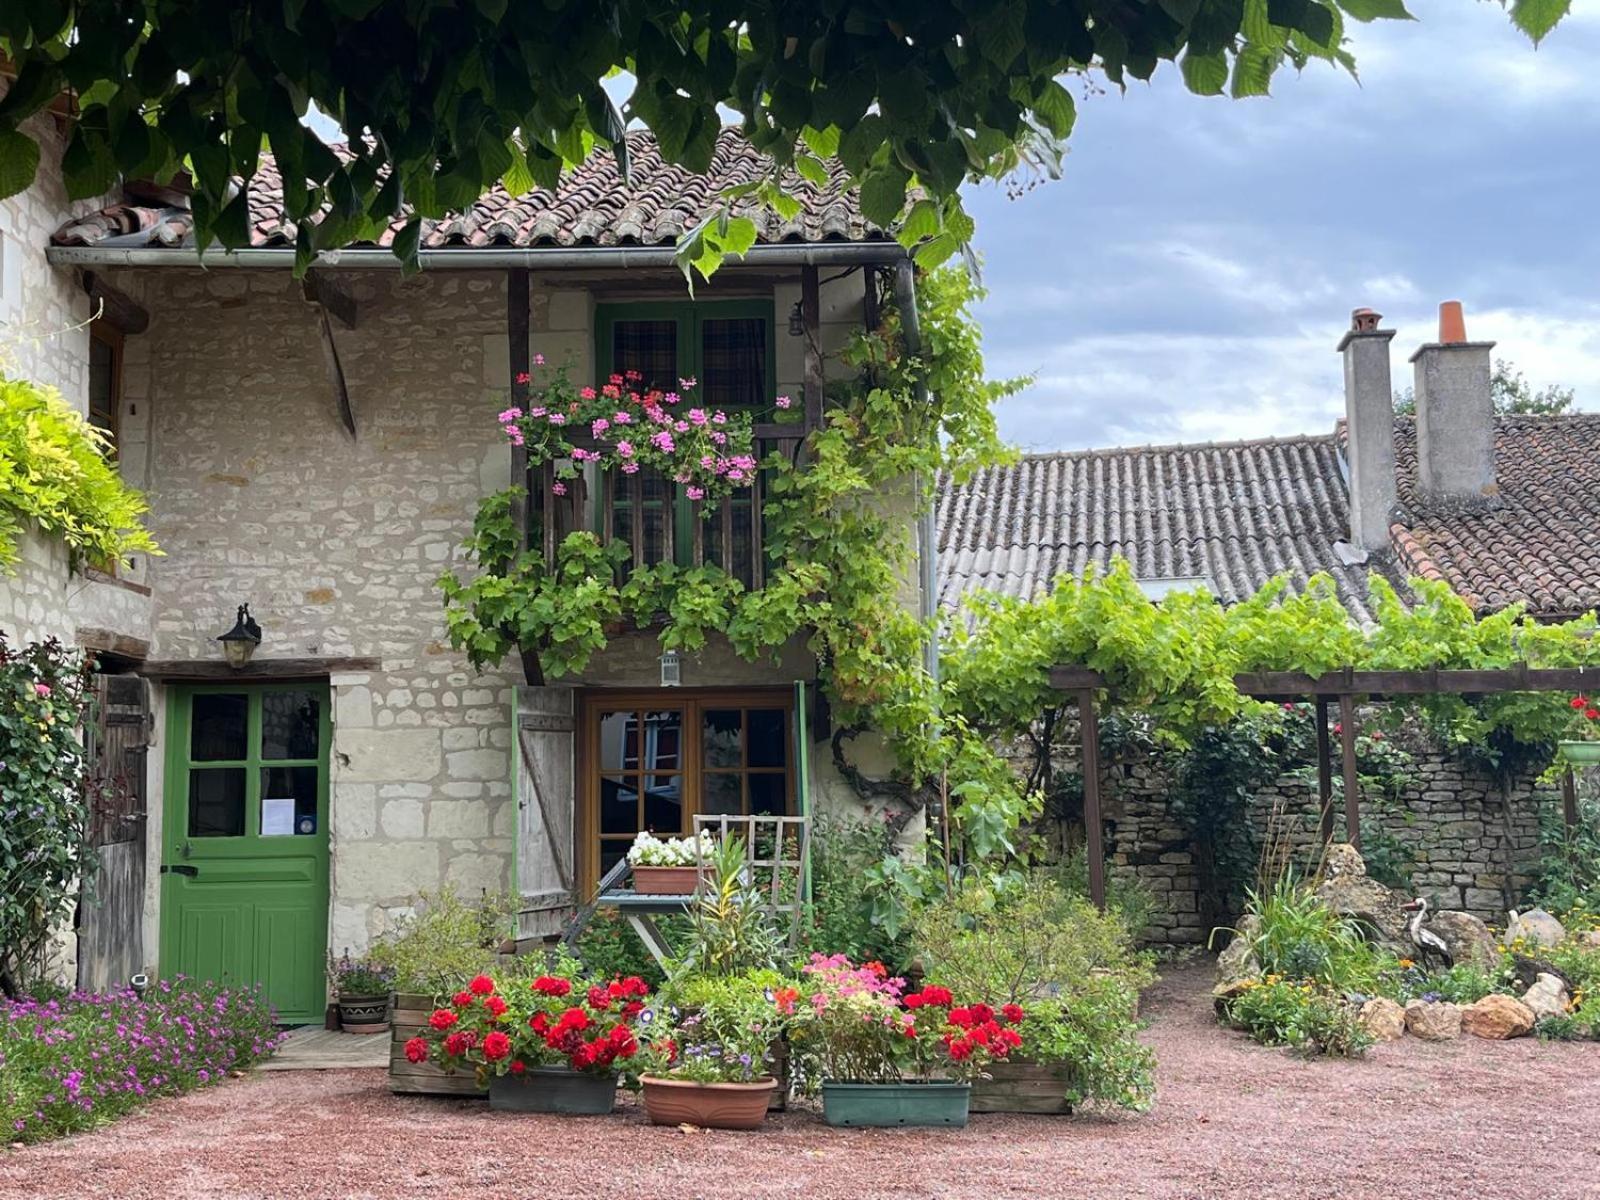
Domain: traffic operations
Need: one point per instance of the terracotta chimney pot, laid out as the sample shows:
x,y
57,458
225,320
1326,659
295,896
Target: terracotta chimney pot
x,y
1365,320
1452,323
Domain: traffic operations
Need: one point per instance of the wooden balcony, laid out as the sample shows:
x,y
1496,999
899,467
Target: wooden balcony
x,y
651,515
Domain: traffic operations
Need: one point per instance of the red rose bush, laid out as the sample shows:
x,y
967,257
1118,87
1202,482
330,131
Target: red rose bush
x,y
557,1019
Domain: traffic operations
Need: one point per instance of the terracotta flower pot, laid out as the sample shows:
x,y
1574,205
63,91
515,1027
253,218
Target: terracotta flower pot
x,y
364,1014
667,881
708,1105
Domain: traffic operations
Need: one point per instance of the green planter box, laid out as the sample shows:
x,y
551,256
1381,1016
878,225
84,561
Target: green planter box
x,y
1583,753
554,1090
887,1105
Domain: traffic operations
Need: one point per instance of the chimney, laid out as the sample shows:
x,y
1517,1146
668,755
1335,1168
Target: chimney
x,y
1369,429
1455,413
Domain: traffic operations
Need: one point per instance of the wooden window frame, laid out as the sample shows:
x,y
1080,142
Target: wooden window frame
x,y
110,336
692,701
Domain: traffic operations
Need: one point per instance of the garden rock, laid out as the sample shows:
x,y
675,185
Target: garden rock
x,y
1497,1017
1535,928
1383,1019
1237,965
1547,997
1347,890
1467,937
1433,1020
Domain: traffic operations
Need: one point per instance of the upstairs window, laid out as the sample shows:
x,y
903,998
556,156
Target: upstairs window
x,y
105,379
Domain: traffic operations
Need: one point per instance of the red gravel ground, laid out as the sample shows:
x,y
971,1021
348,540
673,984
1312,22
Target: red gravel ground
x,y
1489,1121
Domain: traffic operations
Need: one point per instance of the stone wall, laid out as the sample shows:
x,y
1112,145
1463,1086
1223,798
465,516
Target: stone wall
x,y
1450,820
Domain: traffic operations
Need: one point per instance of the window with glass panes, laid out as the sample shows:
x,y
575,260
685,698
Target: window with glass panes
x,y
105,379
653,760
728,348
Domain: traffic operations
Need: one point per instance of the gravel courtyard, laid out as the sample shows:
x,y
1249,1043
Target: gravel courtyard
x,y
1490,1121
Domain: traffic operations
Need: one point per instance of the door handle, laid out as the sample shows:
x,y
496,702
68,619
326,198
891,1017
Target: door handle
x,y
180,869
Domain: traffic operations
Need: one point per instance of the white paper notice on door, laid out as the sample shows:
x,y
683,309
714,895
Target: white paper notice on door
x,y
277,816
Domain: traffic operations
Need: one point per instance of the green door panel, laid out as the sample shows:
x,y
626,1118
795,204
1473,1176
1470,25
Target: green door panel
x,y
244,885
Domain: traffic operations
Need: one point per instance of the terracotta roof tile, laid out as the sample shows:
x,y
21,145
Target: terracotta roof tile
x,y
1537,542
592,206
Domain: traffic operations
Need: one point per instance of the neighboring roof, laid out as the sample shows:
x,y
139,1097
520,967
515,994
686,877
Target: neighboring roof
x,y
592,206
1537,542
1235,513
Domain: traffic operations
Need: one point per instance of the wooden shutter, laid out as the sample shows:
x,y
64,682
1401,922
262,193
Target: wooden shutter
x,y
547,790
111,910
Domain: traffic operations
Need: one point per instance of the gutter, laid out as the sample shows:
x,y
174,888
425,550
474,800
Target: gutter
x,y
822,254
905,293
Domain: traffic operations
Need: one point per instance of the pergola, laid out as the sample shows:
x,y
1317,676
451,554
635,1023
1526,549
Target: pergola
x,y
1345,688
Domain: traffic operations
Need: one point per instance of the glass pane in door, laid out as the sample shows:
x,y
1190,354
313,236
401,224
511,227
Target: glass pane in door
x,y
288,801
733,361
290,724
219,727
648,347
216,802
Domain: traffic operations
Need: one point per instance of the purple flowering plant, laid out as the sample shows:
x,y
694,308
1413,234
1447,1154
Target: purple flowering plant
x,y
77,1062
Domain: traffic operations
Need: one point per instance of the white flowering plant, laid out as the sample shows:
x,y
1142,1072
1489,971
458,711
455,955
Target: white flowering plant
x,y
650,851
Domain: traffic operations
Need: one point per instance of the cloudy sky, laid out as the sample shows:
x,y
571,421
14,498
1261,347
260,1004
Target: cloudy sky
x,y
1190,274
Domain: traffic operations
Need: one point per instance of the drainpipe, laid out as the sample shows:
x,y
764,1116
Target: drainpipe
x,y
905,291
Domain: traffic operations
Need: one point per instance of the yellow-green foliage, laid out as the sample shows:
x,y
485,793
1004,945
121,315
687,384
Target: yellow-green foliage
x,y
55,472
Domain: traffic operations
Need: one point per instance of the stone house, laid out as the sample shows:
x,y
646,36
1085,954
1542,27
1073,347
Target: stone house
x,y
317,451
1502,508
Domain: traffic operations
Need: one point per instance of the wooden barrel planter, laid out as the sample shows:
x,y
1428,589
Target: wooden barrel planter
x,y
409,1018
1022,1086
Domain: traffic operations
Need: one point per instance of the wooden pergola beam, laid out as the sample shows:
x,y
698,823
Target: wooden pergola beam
x,y
1428,681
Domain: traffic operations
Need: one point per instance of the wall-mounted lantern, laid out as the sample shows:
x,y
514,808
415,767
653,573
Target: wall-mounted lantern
x,y
240,642
671,669
797,321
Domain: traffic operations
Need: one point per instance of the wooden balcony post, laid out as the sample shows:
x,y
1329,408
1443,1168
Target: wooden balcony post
x,y
519,364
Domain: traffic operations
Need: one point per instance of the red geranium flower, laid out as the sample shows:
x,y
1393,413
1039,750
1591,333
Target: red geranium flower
x,y
457,1044
914,1000
982,1013
960,1049
518,1066
1591,713
481,985
599,998
417,1050
495,1005
961,1017
937,996
442,1019
1009,1038
1012,1013
785,999
461,999
496,1046
552,985
1580,702
539,1023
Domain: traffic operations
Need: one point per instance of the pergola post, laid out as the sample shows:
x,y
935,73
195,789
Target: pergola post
x,y
1352,778
1569,799
1094,847
1324,771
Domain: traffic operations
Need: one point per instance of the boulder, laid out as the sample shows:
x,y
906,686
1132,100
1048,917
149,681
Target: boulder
x,y
1433,1020
1347,890
1469,939
1534,928
1383,1018
1547,997
1237,965
1590,938
1497,1017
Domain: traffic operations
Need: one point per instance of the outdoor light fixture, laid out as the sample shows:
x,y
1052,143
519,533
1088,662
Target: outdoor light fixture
x,y
671,669
797,321
240,642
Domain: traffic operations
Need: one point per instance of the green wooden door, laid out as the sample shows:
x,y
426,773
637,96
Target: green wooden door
x,y
244,876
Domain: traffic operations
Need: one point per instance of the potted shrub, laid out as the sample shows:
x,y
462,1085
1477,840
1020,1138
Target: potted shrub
x,y
1583,748
361,988
887,1057
670,867
710,1063
551,1044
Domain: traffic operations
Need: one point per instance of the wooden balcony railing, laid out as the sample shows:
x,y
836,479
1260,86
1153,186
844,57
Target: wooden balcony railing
x,y
651,515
